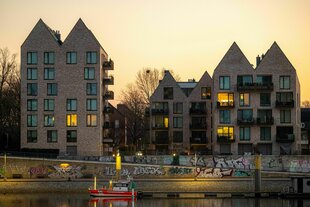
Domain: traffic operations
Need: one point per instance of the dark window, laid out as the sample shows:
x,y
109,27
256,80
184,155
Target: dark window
x,y
245,133
49,120
285,82
265,133
49,73
49,104
284,96
32,58
177,107
32,105
91,57
71,104
245,115
32,136
91,88
225,149
32,89
32,74
49,57
71,58
224,116
72,150
51,136
285,116
244,148
71,136
205,93
177,122
168,93
52,89
91,104
89,73
264,149
32,120
178,136
162,137
264,79
245,80
265,99
224,82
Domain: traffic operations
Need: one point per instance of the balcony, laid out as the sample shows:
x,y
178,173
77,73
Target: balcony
x,y
225,104
198,126
241,121
255,87
108,65
198,140
160,127
108,125
225,138
285,104
285,138
109,95
265,121
195,111
108,110
160,111
108,80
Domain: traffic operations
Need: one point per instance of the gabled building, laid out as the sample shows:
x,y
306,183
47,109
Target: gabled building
x,y
64,91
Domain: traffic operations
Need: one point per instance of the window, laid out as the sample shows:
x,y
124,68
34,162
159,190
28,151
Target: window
x,y
285,116
72,150
71,120
265,149
225,99
49,57
32,136
226,131
32,89
284,97
245,148
51,136
91,57
205,93
49,120
265,133
264,80
285,82
161,122
32,105
225,149
89,73
244,99
245,115
178,136
224,116
49,73
224,82
49,104
177,122
168,93
32,120
265,99
91,88
71,104
71,58
52,89
32,58
91,120
71,136
32,74
177,107
245,133
91,104
244,80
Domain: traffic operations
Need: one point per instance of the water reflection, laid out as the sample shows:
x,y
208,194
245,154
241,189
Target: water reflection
x,y
83,200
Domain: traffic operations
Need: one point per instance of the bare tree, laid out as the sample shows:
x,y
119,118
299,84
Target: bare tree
x,y
8,68
306,104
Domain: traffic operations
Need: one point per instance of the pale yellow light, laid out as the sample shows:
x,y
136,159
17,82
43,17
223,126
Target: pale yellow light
x,y
166,122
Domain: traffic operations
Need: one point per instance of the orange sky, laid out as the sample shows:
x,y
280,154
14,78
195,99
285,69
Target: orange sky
x,y
188,37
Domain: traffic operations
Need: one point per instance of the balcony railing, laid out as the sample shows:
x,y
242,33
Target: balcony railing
x,y
108,110
225,104
108,80
108,125
225,138
198,140
109,95
285,138
255,87
285,104
160,127
198,126
265,121
241,121
160,111
108,65
195,111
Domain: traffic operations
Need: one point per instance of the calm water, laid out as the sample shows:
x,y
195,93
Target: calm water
x,y
83,200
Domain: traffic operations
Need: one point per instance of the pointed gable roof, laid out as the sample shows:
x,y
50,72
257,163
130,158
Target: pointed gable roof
x,y
44,32
204,81
274,59
234,59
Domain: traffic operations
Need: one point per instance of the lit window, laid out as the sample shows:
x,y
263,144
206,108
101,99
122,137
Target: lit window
x,y
91,104
244,99
166,122
49,104
89,73
32,136
226,131
32,58
71,58
32,105
51,136
49,73
49,57
49,120
32,74
91,57
225,99
91,120
205,93
71,120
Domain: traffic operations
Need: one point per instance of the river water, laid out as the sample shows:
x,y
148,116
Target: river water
x,y
83,200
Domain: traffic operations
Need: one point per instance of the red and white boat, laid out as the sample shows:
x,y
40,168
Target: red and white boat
x,y
121,188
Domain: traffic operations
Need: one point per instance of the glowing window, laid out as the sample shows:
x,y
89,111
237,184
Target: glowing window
x,y
91,120
225,99
71,120
244,99
166,122
226,131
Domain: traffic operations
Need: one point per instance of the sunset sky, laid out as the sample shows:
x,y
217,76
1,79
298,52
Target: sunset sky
x,y
188,37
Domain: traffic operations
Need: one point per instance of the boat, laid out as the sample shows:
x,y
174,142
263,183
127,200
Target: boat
x,y
120,188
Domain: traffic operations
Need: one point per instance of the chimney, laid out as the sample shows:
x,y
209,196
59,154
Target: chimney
x,y
58,36
258,60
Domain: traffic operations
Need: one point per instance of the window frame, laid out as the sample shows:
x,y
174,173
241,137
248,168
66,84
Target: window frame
x,y
242,101
69,57
168,93
52,91
48,59
47,72
282,81
33,122
32,91
205,93
51,139
47,104
70,105
70,139
285,116
222,115
90,121
89,56
32,72
263,134
176,120
30,137
89,104
30,106
244,133
49,120
32,58
89,90
222,82
70,123
86,73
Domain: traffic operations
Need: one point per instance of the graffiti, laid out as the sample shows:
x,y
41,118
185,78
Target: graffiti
x,y
17,168
65,172
145,160
274,163
299,166
212,172
107,159
240,173
112,172
180,171
239,163
148,171
199,161
37,171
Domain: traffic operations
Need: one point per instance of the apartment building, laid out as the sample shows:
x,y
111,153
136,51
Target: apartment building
x,y
180,116
256,110
64,92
